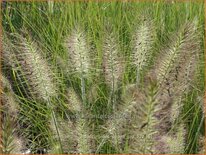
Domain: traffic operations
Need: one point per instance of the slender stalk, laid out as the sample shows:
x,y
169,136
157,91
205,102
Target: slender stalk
x,y
54,120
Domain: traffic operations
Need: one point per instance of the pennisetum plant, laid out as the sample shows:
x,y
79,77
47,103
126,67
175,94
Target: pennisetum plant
x,y
79,57
147,120
32,70
143,40
152,112
112,63
79,60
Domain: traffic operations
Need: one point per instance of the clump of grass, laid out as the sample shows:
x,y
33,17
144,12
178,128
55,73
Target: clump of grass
x,y
157,107
157,114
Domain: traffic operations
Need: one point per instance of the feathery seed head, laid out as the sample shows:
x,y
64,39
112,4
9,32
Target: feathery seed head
x,y
11,141
35,70
78,52
184,44
142,43
135,113
16,146
173,88
84,137
144,122
112,62
8,55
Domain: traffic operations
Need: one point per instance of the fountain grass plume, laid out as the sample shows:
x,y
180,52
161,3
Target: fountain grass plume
x,y
181,64
143,41
35,71
113,67
82,133
78,52
84,137
184,43
143,124
12,142
112,62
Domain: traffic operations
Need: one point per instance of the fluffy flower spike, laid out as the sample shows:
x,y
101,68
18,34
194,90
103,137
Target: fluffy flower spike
x,y
112,62
142,42
35,71
78,52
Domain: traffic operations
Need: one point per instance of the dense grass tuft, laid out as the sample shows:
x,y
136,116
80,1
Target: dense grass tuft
x,y
103,77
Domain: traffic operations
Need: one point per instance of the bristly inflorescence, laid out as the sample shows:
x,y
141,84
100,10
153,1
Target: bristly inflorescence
x,y
143,41
112,62
184,44
78,52
34,70
175,71
74,102
11,142
116,127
